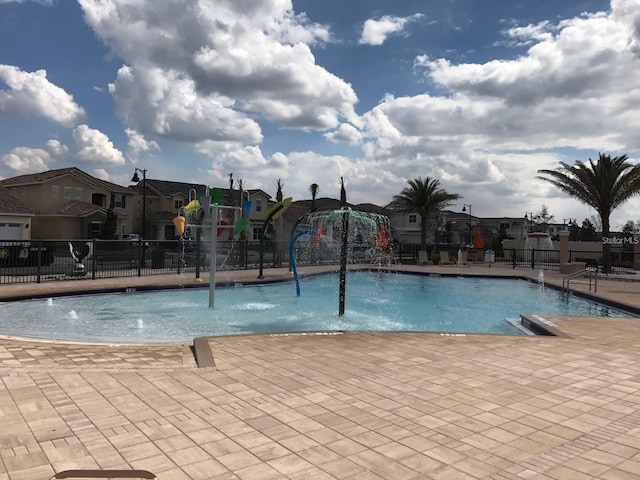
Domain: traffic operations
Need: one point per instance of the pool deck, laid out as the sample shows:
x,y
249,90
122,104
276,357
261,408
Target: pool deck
x,y
397,406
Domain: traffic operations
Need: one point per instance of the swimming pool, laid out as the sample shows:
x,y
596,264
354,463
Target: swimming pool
x,y
375,302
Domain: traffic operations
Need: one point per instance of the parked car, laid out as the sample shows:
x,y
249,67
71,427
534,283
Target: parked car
x,y
134,238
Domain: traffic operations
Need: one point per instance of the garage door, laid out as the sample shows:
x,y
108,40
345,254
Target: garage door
x,y
10,231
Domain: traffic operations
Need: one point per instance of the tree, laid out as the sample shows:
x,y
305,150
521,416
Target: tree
x,y
543,217
604,184
574,231
630,228
110,226
343,193
313,189
588,231
424,197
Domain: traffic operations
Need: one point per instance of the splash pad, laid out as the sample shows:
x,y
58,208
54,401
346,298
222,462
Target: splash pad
x,y
347,236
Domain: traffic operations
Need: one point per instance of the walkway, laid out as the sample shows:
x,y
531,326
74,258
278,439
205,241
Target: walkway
x,y
346,406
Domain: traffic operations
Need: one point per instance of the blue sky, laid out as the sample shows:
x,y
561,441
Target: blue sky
x,y
477,94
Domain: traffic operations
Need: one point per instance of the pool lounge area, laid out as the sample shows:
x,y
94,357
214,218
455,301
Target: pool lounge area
x,y
347,405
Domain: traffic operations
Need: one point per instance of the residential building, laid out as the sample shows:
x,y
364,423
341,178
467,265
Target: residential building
x,y
68,203
164,200
15,217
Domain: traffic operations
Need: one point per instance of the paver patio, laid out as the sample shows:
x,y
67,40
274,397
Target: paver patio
x,y
345,405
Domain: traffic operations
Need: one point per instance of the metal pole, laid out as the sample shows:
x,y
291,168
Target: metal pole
x,y
343,262
214,254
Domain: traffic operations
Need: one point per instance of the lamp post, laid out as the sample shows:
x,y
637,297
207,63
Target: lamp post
x,y
136,179
464,209
528,221
569,220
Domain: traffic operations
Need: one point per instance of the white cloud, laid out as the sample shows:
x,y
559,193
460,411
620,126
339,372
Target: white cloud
x,y
166,104
31,94
346,133
376,32
93,146
101,173
22,160
197,71
138,144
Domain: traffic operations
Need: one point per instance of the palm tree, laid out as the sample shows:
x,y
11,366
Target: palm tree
x,y
604,184
424,197
343,193
313,188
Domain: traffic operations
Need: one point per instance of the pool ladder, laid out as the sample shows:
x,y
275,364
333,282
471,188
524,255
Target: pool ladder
x,y
592,279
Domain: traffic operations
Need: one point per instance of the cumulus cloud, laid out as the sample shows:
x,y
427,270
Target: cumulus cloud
x,y
91,147
138,144
31,94
376,32
346,133
577,86
21,160
204,70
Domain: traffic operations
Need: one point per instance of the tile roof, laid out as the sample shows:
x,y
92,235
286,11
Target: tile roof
x,y
301,207
11,204
32,178
169,188
76,208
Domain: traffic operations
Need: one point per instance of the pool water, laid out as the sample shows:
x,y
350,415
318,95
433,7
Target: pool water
x,y
374,302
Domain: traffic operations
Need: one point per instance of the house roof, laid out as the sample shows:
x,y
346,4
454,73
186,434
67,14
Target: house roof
x,y
34,178
10,204
76,208
301,207
169,188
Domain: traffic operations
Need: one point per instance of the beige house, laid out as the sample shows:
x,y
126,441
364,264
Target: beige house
x,y
15,217
164,199
68,203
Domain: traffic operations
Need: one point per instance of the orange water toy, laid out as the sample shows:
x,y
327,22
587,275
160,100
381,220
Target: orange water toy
x,y
179,222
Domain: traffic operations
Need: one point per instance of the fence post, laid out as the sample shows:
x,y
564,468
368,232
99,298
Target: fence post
x,y
39,257
140,257
95,263
533,259
513,257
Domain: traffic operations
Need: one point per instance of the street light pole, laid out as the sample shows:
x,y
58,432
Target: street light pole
x,y
136,179
528,221
141,246
464,209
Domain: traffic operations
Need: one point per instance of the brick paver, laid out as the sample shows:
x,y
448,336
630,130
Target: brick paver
x,y
345,406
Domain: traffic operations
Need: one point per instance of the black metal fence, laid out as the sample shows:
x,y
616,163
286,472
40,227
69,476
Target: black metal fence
x,y
48,260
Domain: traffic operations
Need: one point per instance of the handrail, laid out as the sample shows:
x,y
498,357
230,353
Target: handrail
x,y
591,274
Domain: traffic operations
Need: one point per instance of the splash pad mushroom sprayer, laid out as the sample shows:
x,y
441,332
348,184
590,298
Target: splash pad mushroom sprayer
x,y
345,230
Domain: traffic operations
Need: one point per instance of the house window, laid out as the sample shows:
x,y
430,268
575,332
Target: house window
x,y
67,192
117,200
55,191
413,218
258,205
78,194
505,226
178,204
256,233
